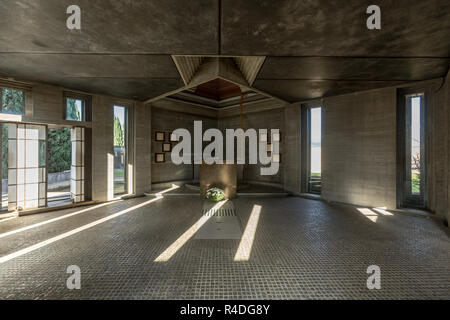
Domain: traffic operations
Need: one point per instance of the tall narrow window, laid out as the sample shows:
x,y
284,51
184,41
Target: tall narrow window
x,y
4,165
58,166
315,150
120,150
77,178
415,150
415,145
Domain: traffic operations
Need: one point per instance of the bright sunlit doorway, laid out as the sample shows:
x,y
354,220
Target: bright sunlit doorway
x,y
312,149
59,156
415,150
412,147
120,150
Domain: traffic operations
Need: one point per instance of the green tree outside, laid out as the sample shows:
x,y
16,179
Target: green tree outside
x,y
4,150
59,150
13,101
119,139
72,112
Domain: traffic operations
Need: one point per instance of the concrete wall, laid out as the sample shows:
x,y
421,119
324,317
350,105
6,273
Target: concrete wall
x,y
359,148
439,174
45,106
143,143
167,121
102,149
292,147
446,105
270,119
168,115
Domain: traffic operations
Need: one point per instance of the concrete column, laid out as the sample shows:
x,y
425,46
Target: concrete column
x,y
292,147
143,152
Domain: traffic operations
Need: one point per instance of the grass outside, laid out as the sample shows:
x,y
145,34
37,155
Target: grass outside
x,y
118,173
119,182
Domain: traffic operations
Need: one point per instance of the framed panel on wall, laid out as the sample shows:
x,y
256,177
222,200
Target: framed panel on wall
x,y
160,157
159,136
166,147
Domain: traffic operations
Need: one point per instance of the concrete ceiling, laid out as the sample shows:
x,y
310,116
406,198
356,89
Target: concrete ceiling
x,y
313,48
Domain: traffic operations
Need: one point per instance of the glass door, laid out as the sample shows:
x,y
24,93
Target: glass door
x,y
415,151
120,150
315,150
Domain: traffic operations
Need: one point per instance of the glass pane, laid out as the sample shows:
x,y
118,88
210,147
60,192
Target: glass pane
x,y
315,173
120,150
20,153
415,145
12,176
32,153
59,153
12,131
42,152
78,153
13,101
31,204
20,192
31,191
74,109
20,176
12,155
32,132
21,131
12,193
4,165
32,175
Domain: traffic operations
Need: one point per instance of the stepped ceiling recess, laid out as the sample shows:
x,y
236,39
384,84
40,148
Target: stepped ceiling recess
x,y
199,49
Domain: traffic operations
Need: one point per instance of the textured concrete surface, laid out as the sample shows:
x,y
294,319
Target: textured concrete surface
x,y
292,143
143,147
439,175
324,28
111,26
271,119
102,149
167,121
301,90
124,47
359,148
302,249
347,68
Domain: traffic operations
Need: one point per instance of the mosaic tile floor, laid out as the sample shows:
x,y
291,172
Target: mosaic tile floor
x,y
296,249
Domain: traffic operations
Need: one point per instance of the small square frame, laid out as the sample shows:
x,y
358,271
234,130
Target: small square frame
x,y
160,157
166,147
159,136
